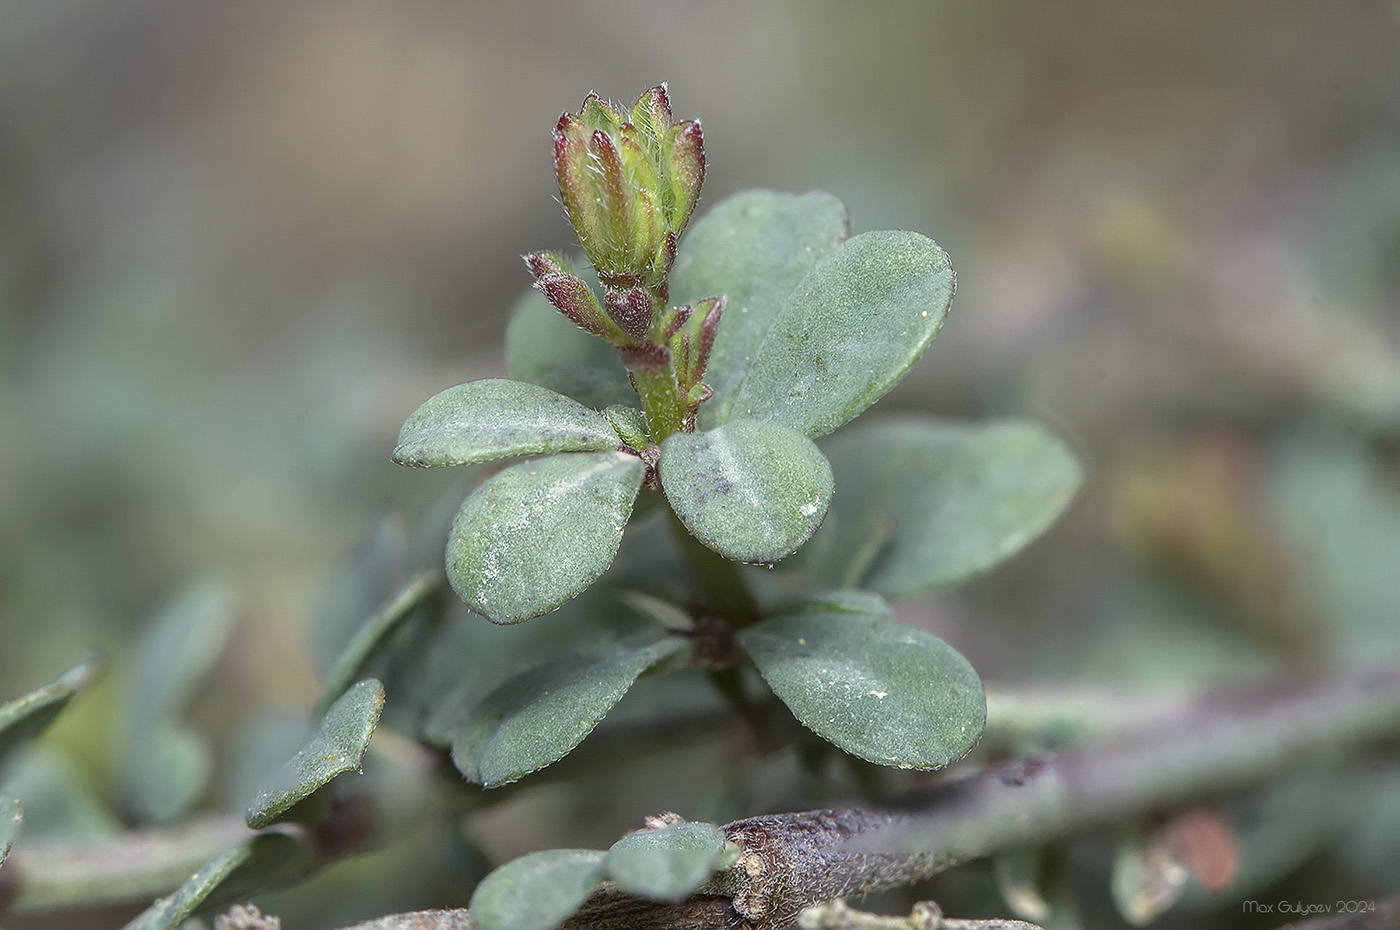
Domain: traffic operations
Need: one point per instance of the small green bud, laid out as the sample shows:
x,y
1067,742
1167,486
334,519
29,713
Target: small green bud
x,y
629,185
571,295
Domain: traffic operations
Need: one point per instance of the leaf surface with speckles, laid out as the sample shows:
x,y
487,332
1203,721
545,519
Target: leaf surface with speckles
x,y
338,746
751,491
537,534
484,420
879,689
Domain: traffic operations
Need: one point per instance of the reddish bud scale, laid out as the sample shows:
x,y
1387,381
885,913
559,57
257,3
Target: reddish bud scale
x,y
631,310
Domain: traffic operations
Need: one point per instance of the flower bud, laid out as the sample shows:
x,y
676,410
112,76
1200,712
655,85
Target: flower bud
x,y
629,185
571,295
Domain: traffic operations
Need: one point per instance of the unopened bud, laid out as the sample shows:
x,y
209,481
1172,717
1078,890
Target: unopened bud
x,y
629,185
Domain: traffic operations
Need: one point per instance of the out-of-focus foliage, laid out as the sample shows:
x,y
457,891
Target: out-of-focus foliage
x,y
240,242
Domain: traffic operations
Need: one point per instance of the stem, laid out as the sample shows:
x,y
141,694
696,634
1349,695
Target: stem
x,y
723,589
133,867
1225,741
661,401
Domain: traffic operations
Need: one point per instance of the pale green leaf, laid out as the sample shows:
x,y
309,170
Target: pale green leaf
x,y
263,863
752,248
668,864
28,715
338,746
879,689
538,891
350,665
11,820
751,491
848,333
539,533
539,716
922,504
166,765
484,420
544,348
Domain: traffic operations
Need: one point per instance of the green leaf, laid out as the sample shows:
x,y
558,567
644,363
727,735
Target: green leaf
x,y
889,693
539,716
922,503
751,491
338,746
668,864
11,820
166,766
353,659
848,333
28,715
484,420
538,891
753,248
264,862
539,533
544,348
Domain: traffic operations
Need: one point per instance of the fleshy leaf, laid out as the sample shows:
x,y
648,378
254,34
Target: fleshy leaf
x,y
537,534
668,864
11,820
539,716
544,348
752,248
484,420
923,503
751,491
166,765
879,689
538,891
377,628
848,333
26,716
338,746
264,862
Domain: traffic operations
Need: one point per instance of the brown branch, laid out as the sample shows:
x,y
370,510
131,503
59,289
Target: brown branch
x,y
792,861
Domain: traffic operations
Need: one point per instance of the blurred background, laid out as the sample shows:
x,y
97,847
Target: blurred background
x,y
240,242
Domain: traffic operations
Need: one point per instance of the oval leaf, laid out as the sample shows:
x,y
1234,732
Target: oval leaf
x,y
751,491
376,629
753,248
537,534
484,420
879,689
263,863
538,891
28,715
539,716
668,864
338,746
544,348
11,820
924,503
166,765
849,332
